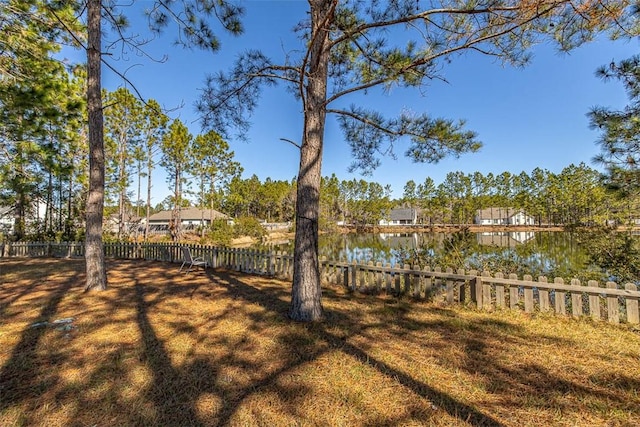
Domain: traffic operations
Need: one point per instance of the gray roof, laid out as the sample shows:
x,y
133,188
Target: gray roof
x,y
186,214
402,214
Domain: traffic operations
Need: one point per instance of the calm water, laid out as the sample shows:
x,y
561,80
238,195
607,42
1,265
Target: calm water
x,y
534,252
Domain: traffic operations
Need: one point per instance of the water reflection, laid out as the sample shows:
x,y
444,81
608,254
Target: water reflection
x,y
526,252
506,239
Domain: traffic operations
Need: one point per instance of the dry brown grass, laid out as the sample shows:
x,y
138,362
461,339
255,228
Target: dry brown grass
x,y
215,348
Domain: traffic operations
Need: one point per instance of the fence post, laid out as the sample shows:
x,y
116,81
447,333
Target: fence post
x,y
561,307
500,303
544,295
613,308
289,267
407,280
576,299
449,284
387,281
594,301
271,269
345,276
486,290
354,276
428,284
364,272
473,286
528,294
514,293
632,305
437,281
462,287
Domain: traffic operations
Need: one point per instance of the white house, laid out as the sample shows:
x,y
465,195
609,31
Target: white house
x,y
400,216
6,219
503,216
131,222
34,214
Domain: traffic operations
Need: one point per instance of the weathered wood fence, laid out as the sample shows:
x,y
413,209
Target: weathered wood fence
x,y
607,301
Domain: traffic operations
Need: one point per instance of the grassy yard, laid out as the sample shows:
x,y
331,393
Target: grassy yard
x,y
216,348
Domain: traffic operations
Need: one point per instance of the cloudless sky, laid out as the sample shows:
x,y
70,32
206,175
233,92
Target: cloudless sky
x,y
526,118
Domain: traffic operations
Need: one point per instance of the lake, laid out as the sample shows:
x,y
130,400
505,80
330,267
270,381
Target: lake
x,y
549,253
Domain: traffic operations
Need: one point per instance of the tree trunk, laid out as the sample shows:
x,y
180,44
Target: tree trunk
x,y
94,252
175,228
139,190
202,207
306,294
148,211
123,190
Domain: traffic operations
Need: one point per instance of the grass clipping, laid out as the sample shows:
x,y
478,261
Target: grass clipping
x,y
161,347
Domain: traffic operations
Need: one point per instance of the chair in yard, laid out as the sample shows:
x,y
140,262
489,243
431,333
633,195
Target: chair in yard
x,y
188,259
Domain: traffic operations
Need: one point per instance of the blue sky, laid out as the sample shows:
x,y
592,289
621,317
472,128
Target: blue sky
x,y
526,118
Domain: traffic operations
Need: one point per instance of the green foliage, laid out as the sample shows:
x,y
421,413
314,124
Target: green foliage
x,y
620,129
271,200
463,250
123,122
616,252
41,110
212,165
219,233
402,43
364,203
248,226
192,18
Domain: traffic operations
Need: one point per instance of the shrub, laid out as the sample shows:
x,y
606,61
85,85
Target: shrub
x,y
248,226
220,233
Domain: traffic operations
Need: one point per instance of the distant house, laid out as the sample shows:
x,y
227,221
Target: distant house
x,y
34,214
6,219
190,218
401,216
131,222
503,216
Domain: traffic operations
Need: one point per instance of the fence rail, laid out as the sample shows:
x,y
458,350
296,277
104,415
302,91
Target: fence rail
x,y
608,301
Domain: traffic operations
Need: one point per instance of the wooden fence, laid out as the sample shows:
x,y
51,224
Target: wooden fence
x,y
607,301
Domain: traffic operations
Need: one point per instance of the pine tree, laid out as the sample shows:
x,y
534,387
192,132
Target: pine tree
x,y
347,49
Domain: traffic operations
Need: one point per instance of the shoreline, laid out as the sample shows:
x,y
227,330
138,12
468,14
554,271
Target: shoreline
x,y
450,228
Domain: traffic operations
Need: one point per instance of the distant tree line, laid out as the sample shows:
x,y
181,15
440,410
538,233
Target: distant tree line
x,y
577,196
44,168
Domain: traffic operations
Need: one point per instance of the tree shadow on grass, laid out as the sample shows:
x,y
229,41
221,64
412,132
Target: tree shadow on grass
x,y
185,387
485,344
10,292
274,302
169,383
26,373
206,374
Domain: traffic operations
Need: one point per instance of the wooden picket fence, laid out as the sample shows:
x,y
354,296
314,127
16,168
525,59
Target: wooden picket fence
x,y
607,301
